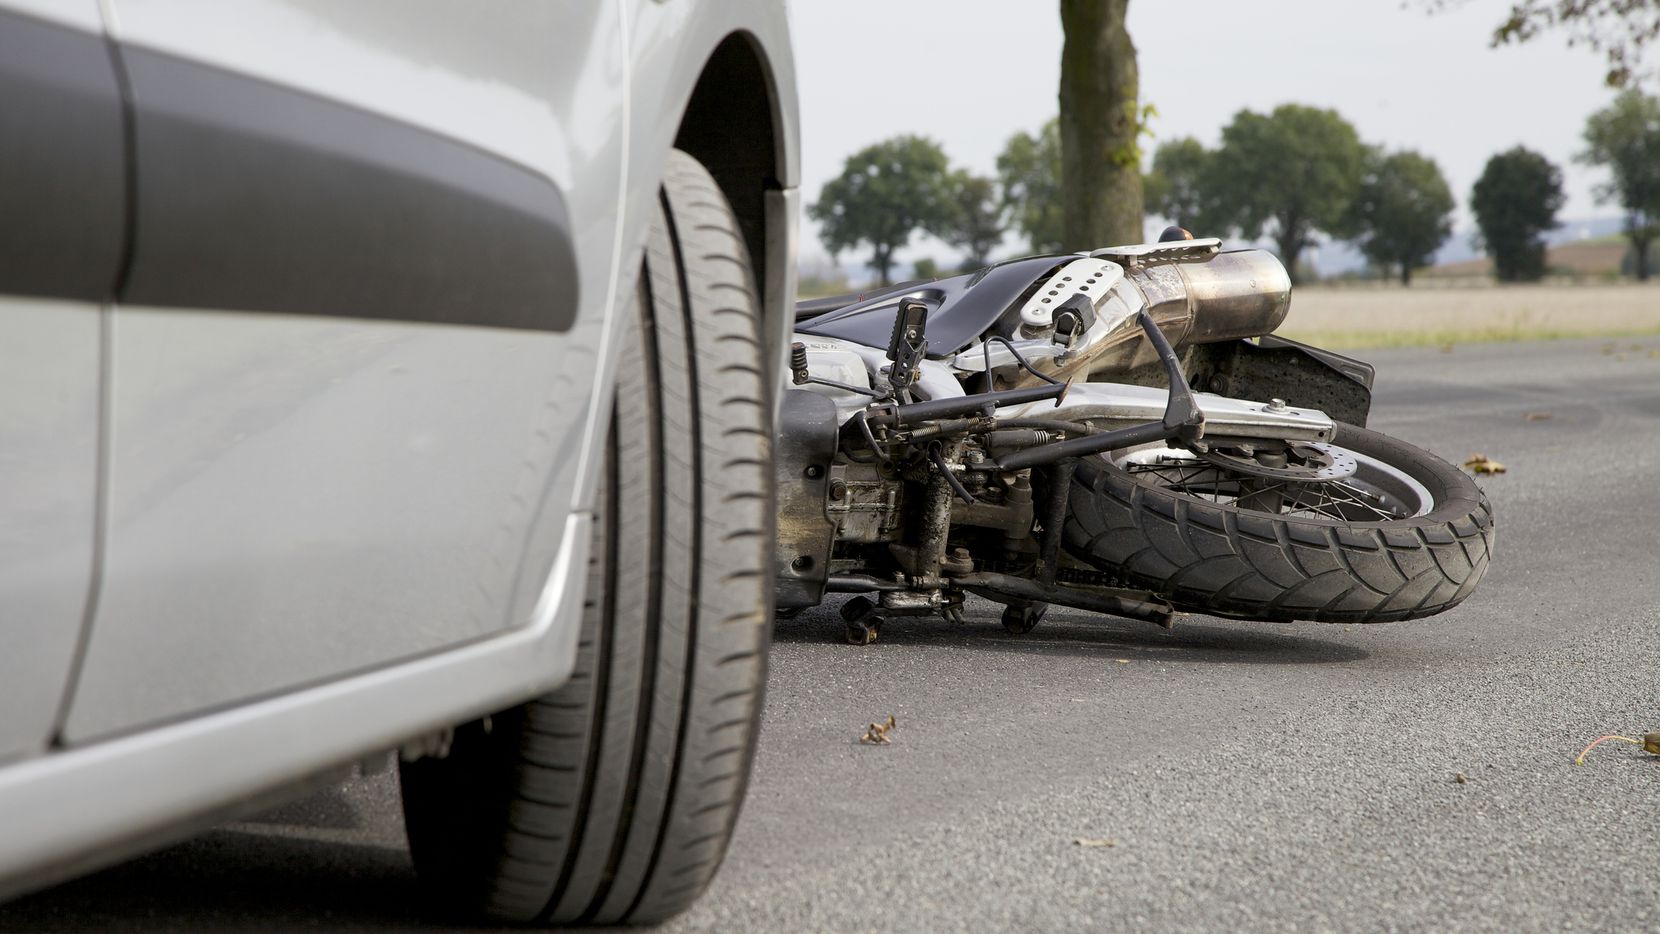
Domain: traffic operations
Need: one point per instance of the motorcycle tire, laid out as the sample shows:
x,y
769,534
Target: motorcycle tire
x,y
612,799
1216,558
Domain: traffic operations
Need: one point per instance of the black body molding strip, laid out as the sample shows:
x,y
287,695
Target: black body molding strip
x,y
255,197
62,209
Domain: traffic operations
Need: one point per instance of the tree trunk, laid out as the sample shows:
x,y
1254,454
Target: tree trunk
x,y
1406,272
883,261
1291,246
1641,246
1100,121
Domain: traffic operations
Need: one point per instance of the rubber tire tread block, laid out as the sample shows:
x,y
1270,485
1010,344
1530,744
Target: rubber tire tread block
x,y
612,799
1254,565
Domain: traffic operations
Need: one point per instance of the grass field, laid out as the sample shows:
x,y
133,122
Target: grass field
x,y
1429,315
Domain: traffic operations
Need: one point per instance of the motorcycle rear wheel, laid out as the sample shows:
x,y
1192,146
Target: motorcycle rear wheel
x,y
1405,535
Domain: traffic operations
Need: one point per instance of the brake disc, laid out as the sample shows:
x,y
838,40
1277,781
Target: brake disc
x,y
1318,463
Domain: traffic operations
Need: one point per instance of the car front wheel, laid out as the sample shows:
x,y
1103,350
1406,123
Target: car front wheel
x,y
612,799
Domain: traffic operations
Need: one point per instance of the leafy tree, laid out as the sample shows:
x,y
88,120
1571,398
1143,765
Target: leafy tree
x,y
1289,174
1029,169
925,268
976,225
1181,187
886,192
1515,201
1625,137
1620,29
1101,125
1403,212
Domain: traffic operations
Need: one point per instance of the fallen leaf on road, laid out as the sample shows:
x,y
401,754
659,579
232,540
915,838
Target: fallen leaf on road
x,y
1122,661
1538,416
1446,348
1459,778
1481,463
877,733
1095,841
1650,744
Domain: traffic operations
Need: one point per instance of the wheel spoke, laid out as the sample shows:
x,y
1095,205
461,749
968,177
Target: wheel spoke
x,y
1340,500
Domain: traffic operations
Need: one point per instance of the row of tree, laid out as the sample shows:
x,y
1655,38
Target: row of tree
x,y
1299,172
1290,176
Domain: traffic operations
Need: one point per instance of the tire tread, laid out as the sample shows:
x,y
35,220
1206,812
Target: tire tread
x,y
1299,569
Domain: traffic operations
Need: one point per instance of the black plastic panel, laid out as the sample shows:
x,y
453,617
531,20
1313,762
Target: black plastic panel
x,y
806,447
960,308
62,188
256,197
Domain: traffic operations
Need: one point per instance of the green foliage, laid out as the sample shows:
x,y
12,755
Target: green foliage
x,y
1620,29
1403,212
925,268
1029,169
1625,138
1288,174
977,217
885,193
1515,201
1129,155
1181,187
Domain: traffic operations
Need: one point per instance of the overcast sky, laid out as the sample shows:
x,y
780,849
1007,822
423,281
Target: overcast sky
x,y
969,73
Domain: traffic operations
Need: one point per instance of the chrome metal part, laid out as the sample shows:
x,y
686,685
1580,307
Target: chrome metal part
x,y
1089,277
934,380
1120,405
1316,462
1194,294
1168,251
1374,490
912,600
999,356
1233,295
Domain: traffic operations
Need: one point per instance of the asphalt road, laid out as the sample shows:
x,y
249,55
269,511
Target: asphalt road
x,y
1248,776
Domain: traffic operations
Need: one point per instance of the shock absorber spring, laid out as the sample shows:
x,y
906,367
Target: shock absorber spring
x,y
798,363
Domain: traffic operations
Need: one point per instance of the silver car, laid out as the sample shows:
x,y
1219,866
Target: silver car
x,y
392,375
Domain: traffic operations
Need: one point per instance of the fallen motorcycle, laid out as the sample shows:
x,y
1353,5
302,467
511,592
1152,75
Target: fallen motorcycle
x,y
1119,432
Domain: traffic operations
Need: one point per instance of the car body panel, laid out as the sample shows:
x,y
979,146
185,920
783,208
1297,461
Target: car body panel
x,y
297,497
73,810
83,16
298,492
668,39
49,353
61,192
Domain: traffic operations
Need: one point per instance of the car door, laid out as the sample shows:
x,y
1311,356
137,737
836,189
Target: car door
x,y
61,217
355,354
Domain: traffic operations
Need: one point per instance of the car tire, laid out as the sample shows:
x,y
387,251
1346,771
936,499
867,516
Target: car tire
x,y
612,799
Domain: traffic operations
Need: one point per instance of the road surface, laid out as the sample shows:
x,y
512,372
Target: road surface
x,y
1247,776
